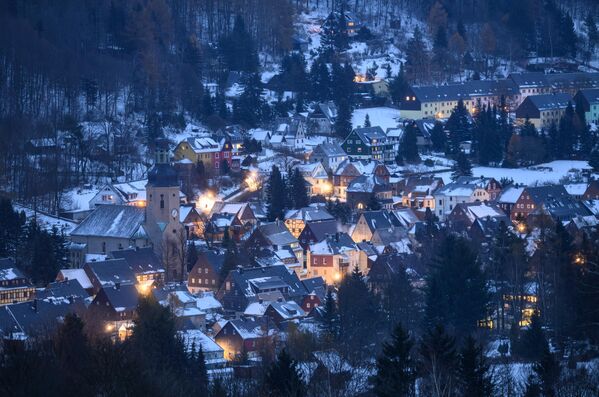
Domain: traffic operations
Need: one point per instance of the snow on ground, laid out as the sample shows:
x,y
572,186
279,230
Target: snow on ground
x,y
78,199
47,222
541,174
383,117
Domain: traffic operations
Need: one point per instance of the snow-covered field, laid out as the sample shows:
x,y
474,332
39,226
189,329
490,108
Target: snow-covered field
x,y
542,174
380,116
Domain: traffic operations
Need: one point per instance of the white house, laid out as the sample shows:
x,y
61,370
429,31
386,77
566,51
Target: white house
x,y
454,193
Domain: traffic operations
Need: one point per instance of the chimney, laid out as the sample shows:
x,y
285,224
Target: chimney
x,y
117,286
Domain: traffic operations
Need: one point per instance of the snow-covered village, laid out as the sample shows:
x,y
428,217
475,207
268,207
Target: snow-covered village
x,y
299,198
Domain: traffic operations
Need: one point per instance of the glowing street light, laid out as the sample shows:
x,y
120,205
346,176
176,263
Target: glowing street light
x,y
252,181
206,202
521,227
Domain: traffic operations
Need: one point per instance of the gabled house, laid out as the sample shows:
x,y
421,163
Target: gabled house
x,y
206,272
145,264
37,318
463,215
317,178
315,232
552,200
452,194
322,118
294,131
417,192
193,220
350,22
350,170
241,336
508,198
330,155
242,286
360,191
296,220
280,312
61,290
201,149
109,273
126,193
589,99
368,143
14,286
116,306
370,221
276,237
543,110
333,258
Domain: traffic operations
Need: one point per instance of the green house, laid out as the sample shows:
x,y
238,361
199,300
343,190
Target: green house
x,y
368,143
590,103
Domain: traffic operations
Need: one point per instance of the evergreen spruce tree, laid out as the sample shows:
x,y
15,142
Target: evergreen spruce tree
x,y
298,192
330,317
239,49
367,121
533,342
458,127
400,301
11,228
399,86
409,147
202,374
320,80
357,310
456,294
343,124
283,378
438,362
462,166
231,259
438,137
396,368
475,378
276,195
547,370
417,58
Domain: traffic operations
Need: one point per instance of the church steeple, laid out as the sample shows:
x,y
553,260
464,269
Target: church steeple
x,y
162,190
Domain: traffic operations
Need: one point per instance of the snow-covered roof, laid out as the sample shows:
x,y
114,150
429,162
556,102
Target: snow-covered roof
x,y
510,195
196,338
117,221
576,189
76,274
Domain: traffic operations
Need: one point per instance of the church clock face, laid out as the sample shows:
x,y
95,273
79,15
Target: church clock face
x,y
174,213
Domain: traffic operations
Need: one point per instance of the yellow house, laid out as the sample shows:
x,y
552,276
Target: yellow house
x,y
200,149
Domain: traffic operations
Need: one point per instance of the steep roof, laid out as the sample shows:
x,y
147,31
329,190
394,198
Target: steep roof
x,y
112,271
321,229
330,149
118,221
550,101
308,214
140,260
380,219
122,298
276,233
367,184
63,289
369,134
253,280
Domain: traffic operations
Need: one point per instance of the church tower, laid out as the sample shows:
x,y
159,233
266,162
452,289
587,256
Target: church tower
x,y
162,190
162,214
